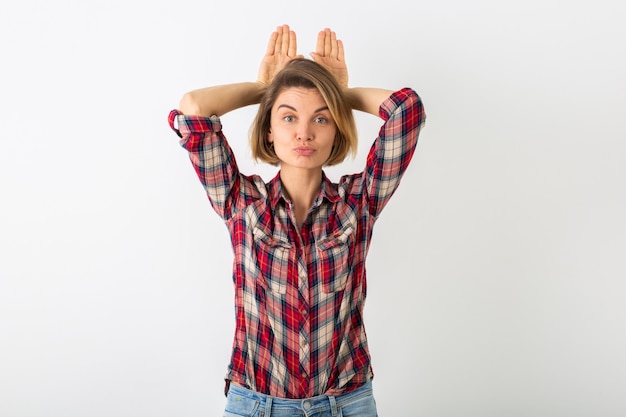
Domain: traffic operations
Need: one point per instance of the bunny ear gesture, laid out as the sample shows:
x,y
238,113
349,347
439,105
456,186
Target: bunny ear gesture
x,y
281,48
330,54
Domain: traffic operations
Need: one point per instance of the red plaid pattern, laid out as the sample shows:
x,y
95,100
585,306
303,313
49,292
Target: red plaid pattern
x,y
299,294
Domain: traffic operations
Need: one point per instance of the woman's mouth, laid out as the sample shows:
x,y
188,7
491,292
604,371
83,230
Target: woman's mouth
x,y
304,150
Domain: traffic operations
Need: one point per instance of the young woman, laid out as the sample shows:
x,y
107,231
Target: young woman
x,y
300,240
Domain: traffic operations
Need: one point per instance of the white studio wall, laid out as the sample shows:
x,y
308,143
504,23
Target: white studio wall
x,y
496,274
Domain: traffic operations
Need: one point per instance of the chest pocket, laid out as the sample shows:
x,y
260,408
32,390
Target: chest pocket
x,y
333,259
272,259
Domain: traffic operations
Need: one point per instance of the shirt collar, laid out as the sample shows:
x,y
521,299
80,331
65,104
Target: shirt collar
x,y
327,191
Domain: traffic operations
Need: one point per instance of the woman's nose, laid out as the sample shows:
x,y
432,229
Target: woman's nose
x,y
304,132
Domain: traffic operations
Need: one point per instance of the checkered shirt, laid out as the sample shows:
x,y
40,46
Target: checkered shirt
x,y
300,293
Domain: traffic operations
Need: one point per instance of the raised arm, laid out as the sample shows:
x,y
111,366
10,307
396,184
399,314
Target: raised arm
x,y
329,52
367,99
221,99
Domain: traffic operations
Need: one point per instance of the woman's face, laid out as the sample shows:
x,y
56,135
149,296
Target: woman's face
x,y
301,129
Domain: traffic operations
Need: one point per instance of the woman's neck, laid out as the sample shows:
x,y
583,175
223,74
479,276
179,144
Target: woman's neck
x,y
302,187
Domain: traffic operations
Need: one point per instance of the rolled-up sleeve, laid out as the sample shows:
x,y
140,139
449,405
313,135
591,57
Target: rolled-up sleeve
x,y
211,157
393,149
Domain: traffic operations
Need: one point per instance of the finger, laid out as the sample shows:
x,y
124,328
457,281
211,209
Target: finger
x,y
284,45
340,51
280,39
327,44
333,45
319,46
293,45
271,44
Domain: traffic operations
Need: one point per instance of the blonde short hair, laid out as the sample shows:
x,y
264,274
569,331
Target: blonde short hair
x,y
305,73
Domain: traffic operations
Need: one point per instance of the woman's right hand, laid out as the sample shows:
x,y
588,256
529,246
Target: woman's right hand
x,y
281,49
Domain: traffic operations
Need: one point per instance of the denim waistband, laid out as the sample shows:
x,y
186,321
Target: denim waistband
x,y
275,405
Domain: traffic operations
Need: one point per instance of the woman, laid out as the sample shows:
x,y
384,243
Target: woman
x,y
300,241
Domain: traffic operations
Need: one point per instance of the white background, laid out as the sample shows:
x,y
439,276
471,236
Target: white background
x,y
496,275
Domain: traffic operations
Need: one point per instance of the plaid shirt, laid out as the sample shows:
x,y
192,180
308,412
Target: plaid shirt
x,y
299,293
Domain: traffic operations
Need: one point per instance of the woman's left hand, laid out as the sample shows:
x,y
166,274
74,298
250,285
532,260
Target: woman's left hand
x,y
329,53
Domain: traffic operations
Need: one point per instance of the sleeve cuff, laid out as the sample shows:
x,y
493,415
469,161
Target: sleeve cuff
x,y
394,101
182,124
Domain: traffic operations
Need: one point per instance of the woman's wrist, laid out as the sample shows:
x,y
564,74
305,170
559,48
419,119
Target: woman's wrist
x,y
256,91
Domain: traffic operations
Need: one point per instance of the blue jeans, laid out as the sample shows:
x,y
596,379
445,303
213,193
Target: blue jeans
x,y
242,402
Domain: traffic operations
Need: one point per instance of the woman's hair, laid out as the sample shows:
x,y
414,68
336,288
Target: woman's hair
x,y
305,73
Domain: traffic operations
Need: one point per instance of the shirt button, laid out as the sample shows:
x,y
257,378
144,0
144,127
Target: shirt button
x,y
304,312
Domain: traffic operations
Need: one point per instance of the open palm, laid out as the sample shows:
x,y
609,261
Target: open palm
x,y
281,48
330,54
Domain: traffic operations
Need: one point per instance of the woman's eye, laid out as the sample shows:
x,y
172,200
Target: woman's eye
x,y
321,120
288,118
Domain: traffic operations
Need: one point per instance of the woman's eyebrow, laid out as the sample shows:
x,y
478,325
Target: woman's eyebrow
x,y
287,106
294,109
